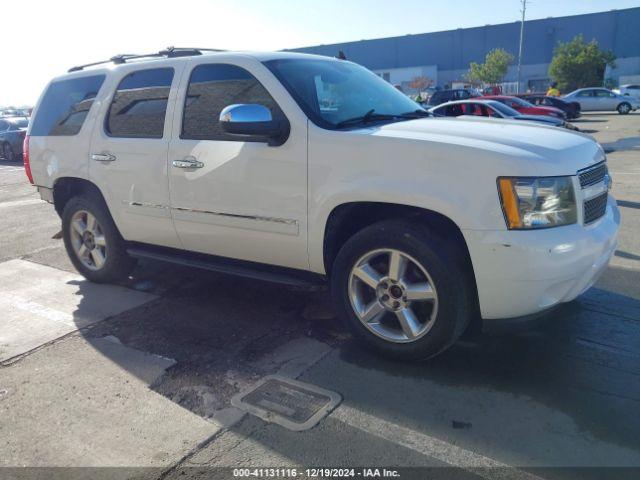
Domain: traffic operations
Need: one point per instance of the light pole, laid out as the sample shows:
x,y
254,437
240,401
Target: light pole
x,y
524,10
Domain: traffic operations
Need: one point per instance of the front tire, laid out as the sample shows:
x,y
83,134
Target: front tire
x,y
624,108
402,290
7,153
93,242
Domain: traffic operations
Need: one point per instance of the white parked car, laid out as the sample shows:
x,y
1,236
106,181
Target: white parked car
x,y
229,161
601,99
632,90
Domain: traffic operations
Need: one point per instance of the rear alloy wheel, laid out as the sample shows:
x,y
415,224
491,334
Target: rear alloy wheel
x,y
7,153
87,239
624,108
403,290
93,242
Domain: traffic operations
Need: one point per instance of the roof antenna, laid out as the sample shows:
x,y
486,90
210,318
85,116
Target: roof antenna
x,y
341,55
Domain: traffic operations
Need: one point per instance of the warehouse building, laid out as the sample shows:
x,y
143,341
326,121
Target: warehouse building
x,y
444,57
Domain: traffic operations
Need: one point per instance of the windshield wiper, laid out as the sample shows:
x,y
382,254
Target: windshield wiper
x,y
371,115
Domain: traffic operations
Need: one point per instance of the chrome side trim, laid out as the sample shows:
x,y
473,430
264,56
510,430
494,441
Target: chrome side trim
x,y
285,226
286,221
142,204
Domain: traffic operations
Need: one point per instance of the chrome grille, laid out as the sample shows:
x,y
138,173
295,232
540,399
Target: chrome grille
x,y
592,175
595,208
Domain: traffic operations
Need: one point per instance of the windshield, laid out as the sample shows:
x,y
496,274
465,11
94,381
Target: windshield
x,y
334,91
504,109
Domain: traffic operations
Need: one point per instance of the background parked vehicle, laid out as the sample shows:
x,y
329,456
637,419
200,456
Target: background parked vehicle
x,y
629,90
571,109
442,96
526,108
12,133
493,109
602,100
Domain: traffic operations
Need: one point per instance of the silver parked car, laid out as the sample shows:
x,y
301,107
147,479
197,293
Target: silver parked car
x,y
602,99
631,90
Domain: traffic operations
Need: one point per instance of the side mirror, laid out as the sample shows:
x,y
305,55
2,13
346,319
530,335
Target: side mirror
x,y
255,122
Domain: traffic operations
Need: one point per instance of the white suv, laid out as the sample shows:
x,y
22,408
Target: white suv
x,y
299,168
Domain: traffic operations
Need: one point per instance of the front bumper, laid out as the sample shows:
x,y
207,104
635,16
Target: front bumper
x,y
521,273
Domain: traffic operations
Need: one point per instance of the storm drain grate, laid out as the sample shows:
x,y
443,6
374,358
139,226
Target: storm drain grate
x,y
292,404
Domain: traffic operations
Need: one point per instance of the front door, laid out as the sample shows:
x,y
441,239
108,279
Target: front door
x,y
231,196
587,100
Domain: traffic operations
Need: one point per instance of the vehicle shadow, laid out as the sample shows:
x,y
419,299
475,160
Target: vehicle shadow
x,y
576,372
624,144
6,163
216,328
628,204
586,120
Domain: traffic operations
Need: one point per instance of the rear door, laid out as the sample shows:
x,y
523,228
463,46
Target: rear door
x,y
605,100
128,155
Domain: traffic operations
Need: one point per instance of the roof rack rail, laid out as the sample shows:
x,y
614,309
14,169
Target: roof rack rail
x,y
169,52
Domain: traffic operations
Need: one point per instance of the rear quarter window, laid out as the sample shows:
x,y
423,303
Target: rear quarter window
x,y
65,106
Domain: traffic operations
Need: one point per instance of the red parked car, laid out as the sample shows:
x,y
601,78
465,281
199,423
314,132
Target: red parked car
x,y
525,107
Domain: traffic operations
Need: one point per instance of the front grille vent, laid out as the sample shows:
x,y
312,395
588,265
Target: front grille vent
x,y
595,208
592,175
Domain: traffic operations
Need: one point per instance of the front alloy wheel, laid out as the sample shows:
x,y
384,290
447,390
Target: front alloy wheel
x,y
393,295
403,289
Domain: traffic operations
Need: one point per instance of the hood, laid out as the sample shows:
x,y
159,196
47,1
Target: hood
x,y
532,149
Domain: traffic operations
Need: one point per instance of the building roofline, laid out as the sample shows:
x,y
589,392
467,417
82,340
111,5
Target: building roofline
x,y
351,42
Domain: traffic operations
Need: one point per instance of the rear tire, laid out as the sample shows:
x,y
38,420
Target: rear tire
x,y
624,108
7,153
93,243
398,317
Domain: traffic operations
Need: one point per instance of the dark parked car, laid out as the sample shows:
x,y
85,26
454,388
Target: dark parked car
x,y
572,109
12,132
442,96
491,108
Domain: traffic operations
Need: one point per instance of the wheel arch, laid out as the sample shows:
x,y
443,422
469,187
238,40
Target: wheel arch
x,y
346,219
65,188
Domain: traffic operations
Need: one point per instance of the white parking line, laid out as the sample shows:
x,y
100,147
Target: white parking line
x,y
419,442
39,304
21,203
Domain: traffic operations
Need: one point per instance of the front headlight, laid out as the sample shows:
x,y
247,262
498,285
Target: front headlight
x,y
542,202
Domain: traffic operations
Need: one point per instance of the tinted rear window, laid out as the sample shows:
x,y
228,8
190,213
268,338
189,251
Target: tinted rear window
x,y
140,104
65,106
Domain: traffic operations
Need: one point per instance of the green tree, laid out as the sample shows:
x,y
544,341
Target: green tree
x,y
577,64
493,69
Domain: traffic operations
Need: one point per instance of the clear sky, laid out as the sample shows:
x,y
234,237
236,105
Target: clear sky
x,y
43,38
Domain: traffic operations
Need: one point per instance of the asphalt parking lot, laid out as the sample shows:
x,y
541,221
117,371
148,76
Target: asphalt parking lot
x,y
142,374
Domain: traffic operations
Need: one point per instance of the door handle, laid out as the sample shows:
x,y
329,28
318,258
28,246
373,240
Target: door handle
x,y
188,162
103,157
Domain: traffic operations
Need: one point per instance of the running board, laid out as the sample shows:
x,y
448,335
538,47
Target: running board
x,y
240,268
